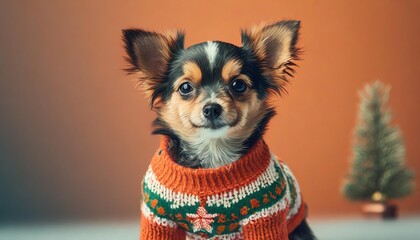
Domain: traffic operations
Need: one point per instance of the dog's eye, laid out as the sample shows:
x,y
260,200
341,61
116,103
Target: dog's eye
x,y
185,89
238,85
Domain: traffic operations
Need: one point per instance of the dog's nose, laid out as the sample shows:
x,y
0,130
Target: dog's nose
x,y
212,111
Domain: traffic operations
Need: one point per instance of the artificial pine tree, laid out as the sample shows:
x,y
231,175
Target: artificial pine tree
x,y
378,172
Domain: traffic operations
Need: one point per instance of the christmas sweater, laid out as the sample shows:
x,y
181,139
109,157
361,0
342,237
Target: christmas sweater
x,y
256,197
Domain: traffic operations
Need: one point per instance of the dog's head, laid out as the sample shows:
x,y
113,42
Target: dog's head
x,y
213,89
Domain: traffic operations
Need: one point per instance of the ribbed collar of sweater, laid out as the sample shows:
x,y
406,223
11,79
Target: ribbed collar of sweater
x,y
205,181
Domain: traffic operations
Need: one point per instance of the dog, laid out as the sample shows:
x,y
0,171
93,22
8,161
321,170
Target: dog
x,y
213,176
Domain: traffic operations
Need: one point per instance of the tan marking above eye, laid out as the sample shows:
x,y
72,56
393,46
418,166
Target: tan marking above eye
x,y
192,72
230,69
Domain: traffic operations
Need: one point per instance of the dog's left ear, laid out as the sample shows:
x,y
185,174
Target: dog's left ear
x,y
274,45
149,54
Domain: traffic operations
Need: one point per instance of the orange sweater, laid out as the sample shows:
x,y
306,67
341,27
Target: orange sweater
x,y
256,197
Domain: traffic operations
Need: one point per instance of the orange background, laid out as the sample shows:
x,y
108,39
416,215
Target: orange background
x,y
75,135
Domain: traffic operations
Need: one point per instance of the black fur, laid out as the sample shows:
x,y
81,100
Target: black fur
x,y
302,232
259,130
226,52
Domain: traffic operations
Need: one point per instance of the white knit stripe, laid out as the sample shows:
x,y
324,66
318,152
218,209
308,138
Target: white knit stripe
x,y
226,199
298,201
287,172
267,212
176,199
296,207
147,213
230,236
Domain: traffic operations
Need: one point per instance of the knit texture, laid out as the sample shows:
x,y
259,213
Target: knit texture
x,y
256,197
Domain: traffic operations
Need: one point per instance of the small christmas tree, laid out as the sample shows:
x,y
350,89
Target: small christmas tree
x,y
378,172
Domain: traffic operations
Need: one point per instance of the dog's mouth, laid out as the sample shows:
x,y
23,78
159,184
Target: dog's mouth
x,y
215,124
211,125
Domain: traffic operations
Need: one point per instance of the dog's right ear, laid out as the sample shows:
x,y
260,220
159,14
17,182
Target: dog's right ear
x,y
149,54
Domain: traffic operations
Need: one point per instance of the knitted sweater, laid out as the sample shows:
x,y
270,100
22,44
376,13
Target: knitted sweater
x,y
256,197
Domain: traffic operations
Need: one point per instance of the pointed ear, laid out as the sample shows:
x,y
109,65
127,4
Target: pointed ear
x,y
149,54
274,45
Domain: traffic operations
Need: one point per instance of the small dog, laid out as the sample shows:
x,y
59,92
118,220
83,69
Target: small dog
x,y
213,176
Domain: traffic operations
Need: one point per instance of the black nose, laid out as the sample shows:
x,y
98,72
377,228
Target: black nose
x,y
212,111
